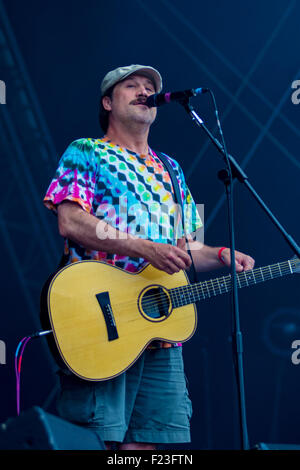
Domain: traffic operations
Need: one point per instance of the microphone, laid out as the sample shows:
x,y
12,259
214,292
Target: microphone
x,y
158,99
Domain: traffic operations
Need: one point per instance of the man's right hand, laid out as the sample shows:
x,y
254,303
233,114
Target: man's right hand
x,y
168,258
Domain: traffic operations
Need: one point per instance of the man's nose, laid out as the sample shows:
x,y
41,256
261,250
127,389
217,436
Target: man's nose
x,y
142,91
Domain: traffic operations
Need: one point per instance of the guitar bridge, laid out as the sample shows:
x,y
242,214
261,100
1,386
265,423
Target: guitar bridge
x,y
104,302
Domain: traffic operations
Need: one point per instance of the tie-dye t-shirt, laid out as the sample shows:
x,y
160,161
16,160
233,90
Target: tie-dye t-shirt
x,y
130,191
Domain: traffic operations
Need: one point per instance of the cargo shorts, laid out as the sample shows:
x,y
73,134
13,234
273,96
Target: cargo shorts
x,y
149,402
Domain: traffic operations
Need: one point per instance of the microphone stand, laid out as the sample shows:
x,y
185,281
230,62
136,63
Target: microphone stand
x,y
224,175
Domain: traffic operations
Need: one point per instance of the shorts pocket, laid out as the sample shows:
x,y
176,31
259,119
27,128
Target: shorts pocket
x,y
189,407
189,404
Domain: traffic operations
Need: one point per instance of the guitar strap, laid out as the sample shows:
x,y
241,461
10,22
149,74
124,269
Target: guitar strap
x,y
178,200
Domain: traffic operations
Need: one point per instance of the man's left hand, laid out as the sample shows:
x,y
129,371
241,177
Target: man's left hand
x,y
242,262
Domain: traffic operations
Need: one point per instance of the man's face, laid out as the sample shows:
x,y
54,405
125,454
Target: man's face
x,y
128,98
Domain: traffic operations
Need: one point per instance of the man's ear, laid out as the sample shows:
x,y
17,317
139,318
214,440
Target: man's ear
x,y
106,103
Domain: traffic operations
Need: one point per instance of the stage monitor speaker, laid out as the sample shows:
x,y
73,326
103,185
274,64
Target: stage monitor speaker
x,y
37,430
264,446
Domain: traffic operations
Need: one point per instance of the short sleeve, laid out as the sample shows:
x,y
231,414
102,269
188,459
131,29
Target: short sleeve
x,y
75,177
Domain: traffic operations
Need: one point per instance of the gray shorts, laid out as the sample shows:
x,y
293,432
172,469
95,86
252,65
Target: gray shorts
x,y
147,403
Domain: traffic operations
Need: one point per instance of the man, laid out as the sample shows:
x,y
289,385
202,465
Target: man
x,y
96,179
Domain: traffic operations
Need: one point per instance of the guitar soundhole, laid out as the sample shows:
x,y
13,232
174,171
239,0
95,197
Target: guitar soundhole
x,y
155,303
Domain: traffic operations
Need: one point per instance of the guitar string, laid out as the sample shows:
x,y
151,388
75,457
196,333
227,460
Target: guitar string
x,y
213,287
185,292
211,291
215,284
204,290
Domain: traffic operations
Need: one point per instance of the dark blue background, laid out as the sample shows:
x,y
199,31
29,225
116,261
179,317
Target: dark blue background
x,y
247,52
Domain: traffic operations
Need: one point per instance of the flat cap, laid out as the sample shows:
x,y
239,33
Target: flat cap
x,y
119,74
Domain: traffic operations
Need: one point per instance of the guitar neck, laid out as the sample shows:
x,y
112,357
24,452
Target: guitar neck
x,y
203,290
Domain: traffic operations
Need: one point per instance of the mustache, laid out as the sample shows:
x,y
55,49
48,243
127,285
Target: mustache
x,y
140,101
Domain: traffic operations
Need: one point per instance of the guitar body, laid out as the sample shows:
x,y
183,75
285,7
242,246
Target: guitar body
x,y
103,317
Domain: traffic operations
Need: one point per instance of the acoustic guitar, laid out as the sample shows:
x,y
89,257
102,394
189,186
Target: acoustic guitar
x,y
103,317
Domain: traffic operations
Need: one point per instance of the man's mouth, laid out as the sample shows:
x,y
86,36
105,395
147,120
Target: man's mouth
x,y
141,103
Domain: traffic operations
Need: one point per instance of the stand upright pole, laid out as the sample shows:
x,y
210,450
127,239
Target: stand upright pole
x,y
234,170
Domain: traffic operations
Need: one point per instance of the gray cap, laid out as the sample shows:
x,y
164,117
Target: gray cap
x,y
115,76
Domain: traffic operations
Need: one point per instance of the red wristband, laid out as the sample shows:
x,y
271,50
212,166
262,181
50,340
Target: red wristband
x,y
220,252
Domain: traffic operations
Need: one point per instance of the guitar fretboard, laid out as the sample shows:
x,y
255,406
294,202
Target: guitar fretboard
x,y
203,290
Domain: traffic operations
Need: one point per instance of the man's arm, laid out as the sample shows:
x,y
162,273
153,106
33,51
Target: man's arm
x,y
88,231
206,258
